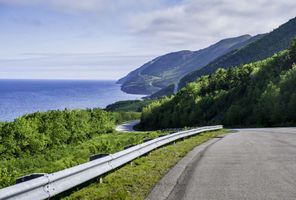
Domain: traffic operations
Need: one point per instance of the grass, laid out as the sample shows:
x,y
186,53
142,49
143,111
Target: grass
x,y
134,181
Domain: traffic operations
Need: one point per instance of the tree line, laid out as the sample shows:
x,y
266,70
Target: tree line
x,y
34,133
256,94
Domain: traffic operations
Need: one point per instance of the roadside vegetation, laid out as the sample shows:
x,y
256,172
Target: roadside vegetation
x,y
54,140
134,181
257,94
41,131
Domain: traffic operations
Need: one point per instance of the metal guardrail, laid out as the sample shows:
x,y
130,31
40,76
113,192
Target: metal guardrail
x,y
50,185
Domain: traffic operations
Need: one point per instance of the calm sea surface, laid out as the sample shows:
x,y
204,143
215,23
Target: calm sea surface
x,y
18,97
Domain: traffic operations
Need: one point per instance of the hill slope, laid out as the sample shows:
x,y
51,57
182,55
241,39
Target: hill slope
x,y
271,43
256,94
168,69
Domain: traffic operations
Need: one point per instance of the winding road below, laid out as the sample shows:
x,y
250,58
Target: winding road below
x,y
250,164
127,126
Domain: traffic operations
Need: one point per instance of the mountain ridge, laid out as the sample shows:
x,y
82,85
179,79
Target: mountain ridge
x,y
271,43
167,91
169,68
258,94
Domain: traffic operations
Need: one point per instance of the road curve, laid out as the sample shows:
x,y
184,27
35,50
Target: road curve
x,y
251,164
127,126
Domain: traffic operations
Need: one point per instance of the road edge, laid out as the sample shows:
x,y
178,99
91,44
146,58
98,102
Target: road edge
x,y
165,187
123,127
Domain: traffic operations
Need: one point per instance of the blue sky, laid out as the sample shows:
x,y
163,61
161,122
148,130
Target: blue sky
x,y
105,39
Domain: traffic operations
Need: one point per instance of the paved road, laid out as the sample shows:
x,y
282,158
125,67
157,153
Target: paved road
x,y
127,127
251,164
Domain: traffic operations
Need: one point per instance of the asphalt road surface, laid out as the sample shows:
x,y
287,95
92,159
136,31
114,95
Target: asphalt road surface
x,y
249,164
127,126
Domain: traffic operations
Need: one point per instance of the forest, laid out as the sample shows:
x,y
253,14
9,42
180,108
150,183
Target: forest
x,y
258,94
39,131
128,106
45,142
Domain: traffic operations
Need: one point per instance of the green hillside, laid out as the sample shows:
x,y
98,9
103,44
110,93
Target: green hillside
x,y
167,91
168,69
257,94
55,140
128,106
271,43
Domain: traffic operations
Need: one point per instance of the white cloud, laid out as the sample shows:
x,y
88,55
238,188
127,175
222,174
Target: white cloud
x,y
202,22
189,23
86,5
149,27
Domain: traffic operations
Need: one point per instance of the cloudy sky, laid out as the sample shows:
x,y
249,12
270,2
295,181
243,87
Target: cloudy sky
x,y
105,39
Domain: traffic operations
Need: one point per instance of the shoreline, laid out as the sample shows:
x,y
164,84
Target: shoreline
x,y
22,97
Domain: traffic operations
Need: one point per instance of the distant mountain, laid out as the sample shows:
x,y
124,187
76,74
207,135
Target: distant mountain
x,y
167,91
259,94
168,69
277,40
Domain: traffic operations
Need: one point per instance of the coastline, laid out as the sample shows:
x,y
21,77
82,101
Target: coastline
x,y
20,97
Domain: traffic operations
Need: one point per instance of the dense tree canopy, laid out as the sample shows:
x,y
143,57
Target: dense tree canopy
x,y
36,132
128,106
257,94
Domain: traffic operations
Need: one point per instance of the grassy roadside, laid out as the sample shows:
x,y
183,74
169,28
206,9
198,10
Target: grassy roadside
x,y
135,180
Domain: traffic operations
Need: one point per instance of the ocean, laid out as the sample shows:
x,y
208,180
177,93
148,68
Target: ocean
x,y
19,97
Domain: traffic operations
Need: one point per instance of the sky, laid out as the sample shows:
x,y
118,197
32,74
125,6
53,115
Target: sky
x,y
106,39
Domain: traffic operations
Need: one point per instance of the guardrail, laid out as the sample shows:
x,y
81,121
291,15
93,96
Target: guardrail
x,y
50,185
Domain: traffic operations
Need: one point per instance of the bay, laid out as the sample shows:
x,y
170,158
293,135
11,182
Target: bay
x,y
19,97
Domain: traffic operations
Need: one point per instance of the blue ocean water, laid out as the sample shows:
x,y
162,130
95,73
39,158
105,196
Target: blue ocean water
x,y
19,97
